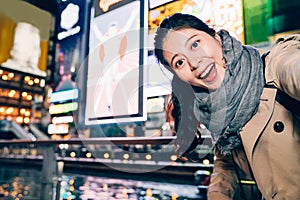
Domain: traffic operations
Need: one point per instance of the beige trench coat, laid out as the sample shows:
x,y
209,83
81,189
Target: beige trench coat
x,y
271,139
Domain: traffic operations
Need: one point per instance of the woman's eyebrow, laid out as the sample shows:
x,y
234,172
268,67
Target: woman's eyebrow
x,y
173,59
189,39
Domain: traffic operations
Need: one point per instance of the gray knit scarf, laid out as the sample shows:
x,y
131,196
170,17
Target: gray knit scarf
x,y
226,110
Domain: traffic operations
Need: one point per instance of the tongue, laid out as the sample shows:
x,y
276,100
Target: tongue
x,y
211,75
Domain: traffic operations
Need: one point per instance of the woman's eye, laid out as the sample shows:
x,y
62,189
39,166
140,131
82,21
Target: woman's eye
x,y
195,44
179,63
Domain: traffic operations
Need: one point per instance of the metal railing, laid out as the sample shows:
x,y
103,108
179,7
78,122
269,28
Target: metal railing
x,y
52,165
104,140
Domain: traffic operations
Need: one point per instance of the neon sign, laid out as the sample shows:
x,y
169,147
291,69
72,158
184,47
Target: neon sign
x,y
63,108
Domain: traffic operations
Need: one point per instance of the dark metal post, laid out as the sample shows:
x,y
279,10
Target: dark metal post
x,y
60,166
49,172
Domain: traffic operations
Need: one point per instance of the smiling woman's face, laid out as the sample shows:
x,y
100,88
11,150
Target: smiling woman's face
x,y
196,57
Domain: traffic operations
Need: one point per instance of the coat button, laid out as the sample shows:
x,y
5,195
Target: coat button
x,y
278,126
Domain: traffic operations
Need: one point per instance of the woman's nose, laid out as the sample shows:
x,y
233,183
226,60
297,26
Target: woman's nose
x,y
195,59
194,67
194,63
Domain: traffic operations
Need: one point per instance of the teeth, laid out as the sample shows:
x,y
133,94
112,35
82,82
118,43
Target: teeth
x,y
206,72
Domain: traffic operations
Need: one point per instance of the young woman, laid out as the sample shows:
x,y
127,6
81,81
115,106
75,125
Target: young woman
x,y
224,85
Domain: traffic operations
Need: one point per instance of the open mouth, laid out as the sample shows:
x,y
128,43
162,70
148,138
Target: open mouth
x,y
207,71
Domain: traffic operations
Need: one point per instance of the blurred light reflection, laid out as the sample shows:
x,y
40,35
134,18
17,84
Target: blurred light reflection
x,y
18,183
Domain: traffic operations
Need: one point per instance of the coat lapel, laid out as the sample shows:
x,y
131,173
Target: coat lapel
x,y
254,128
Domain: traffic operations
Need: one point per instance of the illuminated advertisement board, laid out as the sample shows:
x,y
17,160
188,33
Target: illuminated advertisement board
x,y
70,18
58,128
24,37
217,13
114,90
63,108
65,95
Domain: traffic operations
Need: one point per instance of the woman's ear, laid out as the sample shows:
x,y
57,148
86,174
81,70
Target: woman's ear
x,y
217,36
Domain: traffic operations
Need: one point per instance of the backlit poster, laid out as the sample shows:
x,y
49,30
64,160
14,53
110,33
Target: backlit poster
x,y
114,78
217,13
24,37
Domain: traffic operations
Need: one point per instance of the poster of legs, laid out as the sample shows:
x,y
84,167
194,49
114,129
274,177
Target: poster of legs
x,y
114,76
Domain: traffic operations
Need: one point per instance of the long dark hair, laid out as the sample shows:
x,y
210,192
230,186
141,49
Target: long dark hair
x,y
185,122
